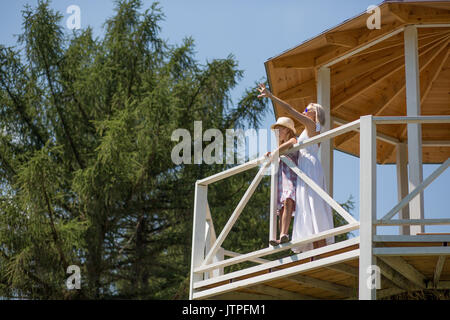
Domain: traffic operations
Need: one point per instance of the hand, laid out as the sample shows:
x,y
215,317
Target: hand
x,y
270,156
265,93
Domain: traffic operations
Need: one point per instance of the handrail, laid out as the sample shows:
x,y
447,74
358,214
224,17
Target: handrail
x,y
232,171
301,145
324,136
411,119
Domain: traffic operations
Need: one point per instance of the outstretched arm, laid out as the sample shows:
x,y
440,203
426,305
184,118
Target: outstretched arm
x,y
307,122
282,148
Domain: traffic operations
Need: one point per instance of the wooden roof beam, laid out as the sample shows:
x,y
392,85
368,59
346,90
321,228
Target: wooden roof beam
x,y
386,152
302,90
392,90
428,78
238,295
418,14
280,293
384,293
397,40
339,140
321,56
367,81
394,276
364,82
369,62
344,268
438,270
432,74
324,285
303,60
347,39
427,32
388,98
407,270
363,65
367,39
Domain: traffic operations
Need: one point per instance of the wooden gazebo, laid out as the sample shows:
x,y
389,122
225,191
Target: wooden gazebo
x,y
386,92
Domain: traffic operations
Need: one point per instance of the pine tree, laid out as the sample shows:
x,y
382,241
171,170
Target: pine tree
x,y
86,171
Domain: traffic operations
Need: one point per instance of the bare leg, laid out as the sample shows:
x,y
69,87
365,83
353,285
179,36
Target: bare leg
x,y
280,219
275,242
287,216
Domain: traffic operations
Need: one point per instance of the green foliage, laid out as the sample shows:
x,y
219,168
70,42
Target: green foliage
x,y
338,221
86,174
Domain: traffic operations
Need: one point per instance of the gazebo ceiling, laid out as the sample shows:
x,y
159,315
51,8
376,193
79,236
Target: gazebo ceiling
x,y
372,81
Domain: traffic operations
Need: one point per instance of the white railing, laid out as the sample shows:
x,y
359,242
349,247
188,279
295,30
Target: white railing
x,y
387,218
368,216
208,255
208,261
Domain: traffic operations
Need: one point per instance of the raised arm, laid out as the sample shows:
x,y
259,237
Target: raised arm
x,y
307,122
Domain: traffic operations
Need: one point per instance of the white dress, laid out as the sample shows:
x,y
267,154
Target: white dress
x,y
313,214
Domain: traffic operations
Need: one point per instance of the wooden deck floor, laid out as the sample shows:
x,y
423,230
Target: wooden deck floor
x,y
328,276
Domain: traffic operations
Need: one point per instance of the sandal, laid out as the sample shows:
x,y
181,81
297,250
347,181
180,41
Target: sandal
x,y
284,238
274,243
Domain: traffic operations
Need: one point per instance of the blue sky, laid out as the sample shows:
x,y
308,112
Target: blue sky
x,y
254,31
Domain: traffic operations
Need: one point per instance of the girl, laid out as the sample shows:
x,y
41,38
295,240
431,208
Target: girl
x,y
311,213
287,179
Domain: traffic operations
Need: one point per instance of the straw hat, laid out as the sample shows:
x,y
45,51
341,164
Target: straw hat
x,y
285,122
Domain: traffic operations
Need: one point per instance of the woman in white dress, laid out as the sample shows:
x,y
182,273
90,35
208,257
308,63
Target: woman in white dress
x,y
312,214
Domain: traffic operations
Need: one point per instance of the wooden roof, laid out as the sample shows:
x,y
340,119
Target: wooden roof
x,y
373,81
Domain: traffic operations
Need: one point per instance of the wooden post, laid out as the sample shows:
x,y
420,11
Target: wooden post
x,y
220,256
326,150
198,234
273,200
367,211
416,207
208,237
402,183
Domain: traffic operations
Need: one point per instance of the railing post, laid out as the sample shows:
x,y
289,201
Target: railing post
x,y
208,239
402,183
220,256
367,212
198,234
326,150
273,200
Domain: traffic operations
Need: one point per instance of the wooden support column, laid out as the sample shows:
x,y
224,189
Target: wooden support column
x,y
198,234
326,149
402,183
367,211
416,207
273,198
